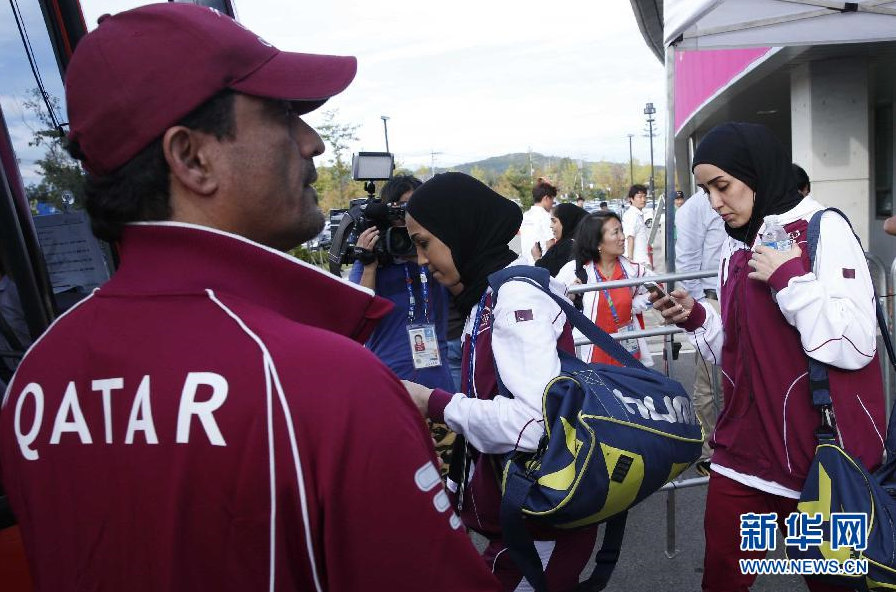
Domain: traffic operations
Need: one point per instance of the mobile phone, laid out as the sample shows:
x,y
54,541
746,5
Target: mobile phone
x,y
654,289
657,293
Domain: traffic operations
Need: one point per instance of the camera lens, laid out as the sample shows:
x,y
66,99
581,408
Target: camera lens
x,y
399,243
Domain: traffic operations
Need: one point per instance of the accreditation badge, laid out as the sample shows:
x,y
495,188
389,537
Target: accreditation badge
x,y
630,345
424,346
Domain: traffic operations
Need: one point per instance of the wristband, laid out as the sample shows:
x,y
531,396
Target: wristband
x,y
365,256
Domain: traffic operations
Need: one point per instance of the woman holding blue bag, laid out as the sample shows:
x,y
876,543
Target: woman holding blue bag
x,y
777,311
461,228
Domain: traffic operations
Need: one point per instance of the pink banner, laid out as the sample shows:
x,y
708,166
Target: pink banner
x,y
700,74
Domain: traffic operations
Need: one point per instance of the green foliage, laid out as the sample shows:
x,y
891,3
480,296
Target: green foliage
x,y
513,175
516,183
337,188
316,257
58,170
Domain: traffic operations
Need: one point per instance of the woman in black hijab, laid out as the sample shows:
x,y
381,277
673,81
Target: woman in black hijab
x,y
751,154
461,229
777,313
474,222
564,219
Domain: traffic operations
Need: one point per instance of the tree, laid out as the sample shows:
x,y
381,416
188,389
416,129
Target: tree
x,y
59,171
482,175
567,176
516,183
338,137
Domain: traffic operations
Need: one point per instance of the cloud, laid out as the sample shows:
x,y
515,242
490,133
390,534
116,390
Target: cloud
x,y
476,79
469,79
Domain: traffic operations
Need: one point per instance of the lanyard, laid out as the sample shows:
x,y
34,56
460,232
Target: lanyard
x,y
471,389
606,292
424,288
412,301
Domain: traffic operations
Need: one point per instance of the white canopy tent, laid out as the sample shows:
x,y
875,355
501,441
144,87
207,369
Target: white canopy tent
x,y
718,24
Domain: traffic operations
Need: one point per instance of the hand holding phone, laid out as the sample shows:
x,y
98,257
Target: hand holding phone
x,y
657,294
675,307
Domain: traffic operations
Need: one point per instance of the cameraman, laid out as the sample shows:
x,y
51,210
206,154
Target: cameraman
x,y
400,281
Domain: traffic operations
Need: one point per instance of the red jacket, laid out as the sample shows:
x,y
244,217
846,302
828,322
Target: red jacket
x,y
205,422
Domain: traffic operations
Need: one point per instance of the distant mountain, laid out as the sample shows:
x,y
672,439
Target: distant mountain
x,y
499,164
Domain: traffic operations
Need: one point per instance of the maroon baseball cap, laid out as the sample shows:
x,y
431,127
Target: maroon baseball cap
x,y
143,70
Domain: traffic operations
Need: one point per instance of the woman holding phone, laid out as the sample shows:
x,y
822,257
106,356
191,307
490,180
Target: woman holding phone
x,y
598,257
777,311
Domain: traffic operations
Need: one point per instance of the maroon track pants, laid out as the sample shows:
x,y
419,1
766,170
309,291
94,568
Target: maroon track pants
x,y
725,502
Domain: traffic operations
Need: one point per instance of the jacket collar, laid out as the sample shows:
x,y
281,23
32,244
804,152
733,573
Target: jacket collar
x,y
164,258
801,211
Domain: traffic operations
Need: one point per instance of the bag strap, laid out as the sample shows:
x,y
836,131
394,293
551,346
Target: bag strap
x,y
521,547
519,542
607,557
819,384
540,278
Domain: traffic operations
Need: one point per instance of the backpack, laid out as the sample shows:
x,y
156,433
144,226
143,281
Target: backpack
x,y
613,435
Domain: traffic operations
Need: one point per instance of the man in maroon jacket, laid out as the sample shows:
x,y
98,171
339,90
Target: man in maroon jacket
x,y
207,420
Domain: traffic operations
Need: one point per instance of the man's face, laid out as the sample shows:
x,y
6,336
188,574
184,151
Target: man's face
x,y
267,174
405,197
639,200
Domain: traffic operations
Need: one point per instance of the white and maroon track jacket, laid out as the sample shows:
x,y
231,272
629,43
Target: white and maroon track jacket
x,y
765,434
207,420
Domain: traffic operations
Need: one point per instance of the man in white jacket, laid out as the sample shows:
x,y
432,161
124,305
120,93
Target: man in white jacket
x,y
536,236
635,227
700,233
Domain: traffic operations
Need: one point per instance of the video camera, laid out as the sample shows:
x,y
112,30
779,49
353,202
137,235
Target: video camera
x,y
367,212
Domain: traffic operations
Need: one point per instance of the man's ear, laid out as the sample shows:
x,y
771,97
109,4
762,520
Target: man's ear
x,y
187,153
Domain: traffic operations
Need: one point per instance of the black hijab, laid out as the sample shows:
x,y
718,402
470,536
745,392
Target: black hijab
x,y
474,221
752,154
569,215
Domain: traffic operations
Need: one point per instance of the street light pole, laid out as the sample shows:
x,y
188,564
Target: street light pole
x,y
631,161
432,163
649,111
385,118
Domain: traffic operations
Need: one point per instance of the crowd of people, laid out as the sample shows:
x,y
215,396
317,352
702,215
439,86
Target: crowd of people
x,y
208,420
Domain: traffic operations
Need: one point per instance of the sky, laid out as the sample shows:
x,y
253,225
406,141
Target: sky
x,y
459,81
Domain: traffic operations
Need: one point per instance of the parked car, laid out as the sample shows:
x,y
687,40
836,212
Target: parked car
x,y
321,241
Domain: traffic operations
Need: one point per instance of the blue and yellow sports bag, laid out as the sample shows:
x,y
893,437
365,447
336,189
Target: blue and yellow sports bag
x,y
613,435
838,485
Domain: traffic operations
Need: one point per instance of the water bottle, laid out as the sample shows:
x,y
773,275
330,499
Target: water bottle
x,y
775,236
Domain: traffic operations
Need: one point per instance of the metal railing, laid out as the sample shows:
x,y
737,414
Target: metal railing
x,y
659,278
882,280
